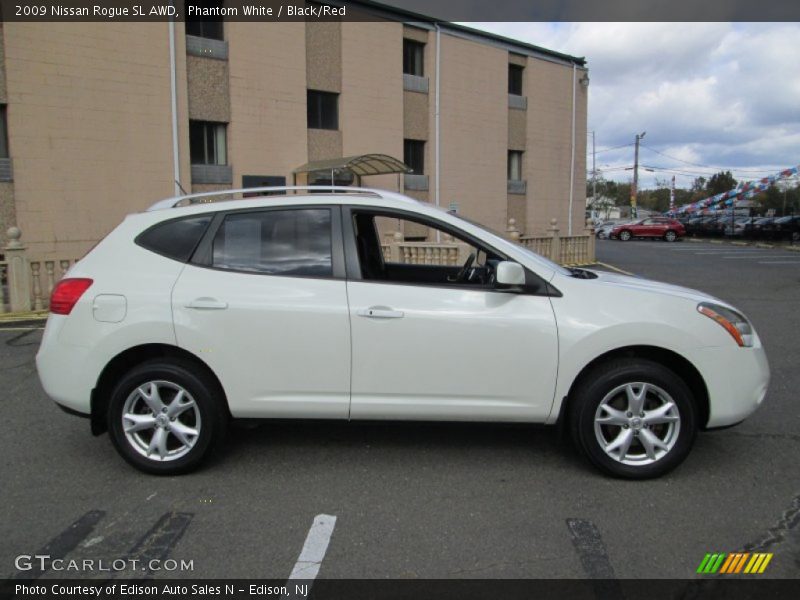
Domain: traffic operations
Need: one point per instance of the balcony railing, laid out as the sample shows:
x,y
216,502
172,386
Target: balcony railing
x,y
415,182
6,172
517,186
212,174
415,83
518,102
207,47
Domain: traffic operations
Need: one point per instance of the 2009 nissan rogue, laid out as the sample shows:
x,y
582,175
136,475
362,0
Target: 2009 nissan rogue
x,y
194,313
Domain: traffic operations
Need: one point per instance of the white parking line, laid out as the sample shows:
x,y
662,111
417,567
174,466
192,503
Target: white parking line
x,y
779,262
761,256
314,549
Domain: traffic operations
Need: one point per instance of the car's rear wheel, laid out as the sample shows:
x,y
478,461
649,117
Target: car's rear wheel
x,y
670,236
633,418
624,235
796,236
165,416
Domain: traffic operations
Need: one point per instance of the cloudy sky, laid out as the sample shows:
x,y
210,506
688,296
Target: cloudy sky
x,y
719,95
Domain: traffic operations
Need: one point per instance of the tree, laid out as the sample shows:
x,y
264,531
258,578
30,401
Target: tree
x,y
720,182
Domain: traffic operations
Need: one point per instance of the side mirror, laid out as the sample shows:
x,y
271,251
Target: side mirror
x,y
510,274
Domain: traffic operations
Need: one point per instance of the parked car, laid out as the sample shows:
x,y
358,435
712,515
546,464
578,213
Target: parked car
x,y
786,228
285,307
603,232
739,226
692,227
652,227
762,228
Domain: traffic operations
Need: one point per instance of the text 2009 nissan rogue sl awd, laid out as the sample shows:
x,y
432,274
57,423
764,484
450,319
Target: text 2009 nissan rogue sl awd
x,y
283,307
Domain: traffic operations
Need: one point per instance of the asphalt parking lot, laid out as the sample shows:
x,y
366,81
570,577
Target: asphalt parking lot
x,y
425,500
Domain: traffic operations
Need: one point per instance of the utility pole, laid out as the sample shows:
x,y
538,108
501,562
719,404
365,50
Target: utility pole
x,y
635,186
594,175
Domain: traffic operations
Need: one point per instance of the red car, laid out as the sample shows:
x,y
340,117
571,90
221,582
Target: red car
x,y
653,227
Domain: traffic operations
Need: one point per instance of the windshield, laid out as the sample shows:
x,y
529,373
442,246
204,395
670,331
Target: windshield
x,y
548,264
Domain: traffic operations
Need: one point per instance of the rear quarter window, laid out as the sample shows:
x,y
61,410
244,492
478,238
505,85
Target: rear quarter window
x,y
176,238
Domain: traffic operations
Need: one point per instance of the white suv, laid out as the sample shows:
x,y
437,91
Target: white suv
x,y
290,306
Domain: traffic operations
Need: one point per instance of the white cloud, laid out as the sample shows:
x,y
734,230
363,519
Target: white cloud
x,y
719,94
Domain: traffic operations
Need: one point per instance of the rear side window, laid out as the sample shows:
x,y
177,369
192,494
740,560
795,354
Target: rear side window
x,y
176,238
276,242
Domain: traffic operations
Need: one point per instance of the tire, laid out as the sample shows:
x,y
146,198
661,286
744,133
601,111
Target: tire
x,y
670,236
178,437
624,235
796,236
604,394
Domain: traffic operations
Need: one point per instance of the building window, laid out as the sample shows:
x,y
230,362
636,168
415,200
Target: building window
x,y
3,132
323,110
207,143
413,58
515,79
205,27
514,165
414,155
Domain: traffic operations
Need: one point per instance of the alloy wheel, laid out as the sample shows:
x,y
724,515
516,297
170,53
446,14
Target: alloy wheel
x,y
637,423
161,420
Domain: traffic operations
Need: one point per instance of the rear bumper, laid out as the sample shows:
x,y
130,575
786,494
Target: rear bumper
x,y
64,372
736,379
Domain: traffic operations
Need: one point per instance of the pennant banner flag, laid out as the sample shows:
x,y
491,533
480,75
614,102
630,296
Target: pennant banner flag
x,y
746,190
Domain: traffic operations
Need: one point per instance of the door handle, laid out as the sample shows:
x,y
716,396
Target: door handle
x,y
380,312
207,304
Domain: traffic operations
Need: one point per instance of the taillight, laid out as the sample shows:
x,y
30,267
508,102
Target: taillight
x,y
67,293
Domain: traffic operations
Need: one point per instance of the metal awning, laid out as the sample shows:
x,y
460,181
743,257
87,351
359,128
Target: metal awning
x,y
361,165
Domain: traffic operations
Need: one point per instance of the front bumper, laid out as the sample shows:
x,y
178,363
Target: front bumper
x,y
736,379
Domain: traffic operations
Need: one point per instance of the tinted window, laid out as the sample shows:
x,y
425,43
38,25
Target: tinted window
x,y
276,242
515,79
323,110
413,57
207,27
177,238
414,155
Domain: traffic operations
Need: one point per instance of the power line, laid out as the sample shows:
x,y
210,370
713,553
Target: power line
x,y
706,166
613,148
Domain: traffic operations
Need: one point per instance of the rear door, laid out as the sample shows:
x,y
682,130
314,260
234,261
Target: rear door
x,y
264,303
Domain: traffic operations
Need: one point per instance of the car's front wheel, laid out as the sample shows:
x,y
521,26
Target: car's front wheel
x,y
633,418
624,235
165,416
670,236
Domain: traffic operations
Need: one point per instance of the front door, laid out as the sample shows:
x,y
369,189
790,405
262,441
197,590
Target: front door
x,y
432,341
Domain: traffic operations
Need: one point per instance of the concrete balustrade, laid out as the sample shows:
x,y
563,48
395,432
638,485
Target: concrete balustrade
x,y
26,284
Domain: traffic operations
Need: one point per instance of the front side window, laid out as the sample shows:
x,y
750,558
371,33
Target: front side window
x,y
418,252
414,155
206,27
276,242
413,58
323,110
208,143
515,79
514,165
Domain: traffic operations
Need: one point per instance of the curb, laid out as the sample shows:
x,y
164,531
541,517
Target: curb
x,y
18,319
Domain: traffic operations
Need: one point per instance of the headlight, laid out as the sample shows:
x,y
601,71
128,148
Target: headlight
x,y
733,322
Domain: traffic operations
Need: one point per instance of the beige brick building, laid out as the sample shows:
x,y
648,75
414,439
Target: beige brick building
x,y
89,109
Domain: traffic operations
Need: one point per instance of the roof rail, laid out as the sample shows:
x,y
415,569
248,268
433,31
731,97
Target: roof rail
x,y
194,198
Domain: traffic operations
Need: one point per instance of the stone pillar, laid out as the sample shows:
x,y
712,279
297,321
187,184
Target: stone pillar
x,y
512,231
590,242
555,242
19,272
